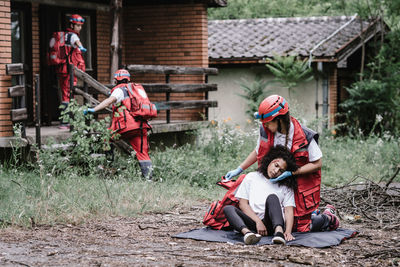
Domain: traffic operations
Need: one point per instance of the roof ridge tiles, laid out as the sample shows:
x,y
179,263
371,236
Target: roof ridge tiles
x,y
284,19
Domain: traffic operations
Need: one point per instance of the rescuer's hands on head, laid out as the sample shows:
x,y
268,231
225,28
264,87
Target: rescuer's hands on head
x,y
284,175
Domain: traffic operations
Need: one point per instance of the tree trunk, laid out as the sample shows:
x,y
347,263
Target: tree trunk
x,y
115,40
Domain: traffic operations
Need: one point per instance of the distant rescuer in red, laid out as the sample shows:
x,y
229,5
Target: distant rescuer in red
x,y
73,50
131,111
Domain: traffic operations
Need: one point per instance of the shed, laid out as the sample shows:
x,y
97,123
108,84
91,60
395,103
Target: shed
x,y
241,48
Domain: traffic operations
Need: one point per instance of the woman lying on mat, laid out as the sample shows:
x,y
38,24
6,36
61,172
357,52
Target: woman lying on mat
x,y
265,205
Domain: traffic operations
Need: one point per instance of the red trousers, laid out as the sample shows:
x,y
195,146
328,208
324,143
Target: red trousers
x,y
63,80
138,142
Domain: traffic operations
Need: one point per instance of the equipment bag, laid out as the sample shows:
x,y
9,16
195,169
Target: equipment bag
x,y
215,217
141,107
57,53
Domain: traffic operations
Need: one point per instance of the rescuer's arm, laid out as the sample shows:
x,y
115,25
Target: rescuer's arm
x,y
251,158
110,100
107,102
309,167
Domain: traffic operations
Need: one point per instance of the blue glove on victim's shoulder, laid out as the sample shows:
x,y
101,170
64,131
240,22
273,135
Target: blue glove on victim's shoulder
x,y
84,50
233,173
284,175
89,110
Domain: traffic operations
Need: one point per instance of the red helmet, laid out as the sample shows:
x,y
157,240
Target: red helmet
x,y
76,19
271,107
122,74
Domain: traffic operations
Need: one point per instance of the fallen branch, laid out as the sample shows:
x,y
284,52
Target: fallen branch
x,y
391,179
375,203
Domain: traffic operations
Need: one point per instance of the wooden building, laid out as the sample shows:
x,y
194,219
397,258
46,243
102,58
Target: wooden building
x,y
150,33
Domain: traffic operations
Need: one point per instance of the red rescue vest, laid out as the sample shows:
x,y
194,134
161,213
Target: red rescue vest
x,y
74,55
125,114
307,195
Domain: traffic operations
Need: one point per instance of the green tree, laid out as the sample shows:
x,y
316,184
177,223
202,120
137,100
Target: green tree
x,y
289,71
377,94
254,92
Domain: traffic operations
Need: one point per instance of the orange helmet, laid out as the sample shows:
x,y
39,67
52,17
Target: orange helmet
x,y
122,74
76,19
271,107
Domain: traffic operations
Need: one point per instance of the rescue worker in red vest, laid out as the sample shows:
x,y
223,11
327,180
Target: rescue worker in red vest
x,y
131,129
73,50
279,128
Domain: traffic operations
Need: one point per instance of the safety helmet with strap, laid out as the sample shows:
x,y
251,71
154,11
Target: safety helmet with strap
x,y
271,107
76,19
122,74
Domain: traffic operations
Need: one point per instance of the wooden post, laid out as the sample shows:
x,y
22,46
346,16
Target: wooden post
x,y
167,96
206,96
71,81
85,89
115,39
37,108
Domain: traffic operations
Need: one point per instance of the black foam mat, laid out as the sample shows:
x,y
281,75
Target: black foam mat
x,y
308,239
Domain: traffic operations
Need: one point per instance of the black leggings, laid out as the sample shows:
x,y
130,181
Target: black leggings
x,y
320,223
272,218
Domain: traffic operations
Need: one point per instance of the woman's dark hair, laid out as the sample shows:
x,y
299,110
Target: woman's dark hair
x,y
282,153
285,121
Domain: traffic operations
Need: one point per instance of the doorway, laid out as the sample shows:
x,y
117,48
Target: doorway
x,y
54,19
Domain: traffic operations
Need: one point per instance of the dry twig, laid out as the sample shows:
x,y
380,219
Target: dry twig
x,y
375,203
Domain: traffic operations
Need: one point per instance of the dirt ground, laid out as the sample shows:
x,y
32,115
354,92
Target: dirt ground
x,y
147,241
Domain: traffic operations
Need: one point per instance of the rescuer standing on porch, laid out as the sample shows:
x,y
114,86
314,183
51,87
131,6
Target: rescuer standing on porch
x,y
131,111
73,51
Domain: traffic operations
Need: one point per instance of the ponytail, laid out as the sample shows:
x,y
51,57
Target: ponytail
x,y
285,121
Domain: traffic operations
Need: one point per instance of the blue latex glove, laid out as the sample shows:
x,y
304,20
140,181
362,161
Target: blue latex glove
x,y
89,110
284,175
233,173
84,50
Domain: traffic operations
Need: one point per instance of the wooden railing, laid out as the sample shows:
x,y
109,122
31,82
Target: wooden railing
x,y
167,87
17,93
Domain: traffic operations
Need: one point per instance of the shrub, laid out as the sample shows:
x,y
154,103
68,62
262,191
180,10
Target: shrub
x,y
84,150
254,92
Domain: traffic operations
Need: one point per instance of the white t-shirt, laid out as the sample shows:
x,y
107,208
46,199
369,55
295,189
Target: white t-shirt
x,y
256,188
118,93
74,38
314,152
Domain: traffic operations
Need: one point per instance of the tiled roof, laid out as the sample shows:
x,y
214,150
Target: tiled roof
x,y
259,38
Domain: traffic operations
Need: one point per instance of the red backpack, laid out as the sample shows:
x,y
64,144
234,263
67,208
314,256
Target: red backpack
x,y
141,107
57,54
215,217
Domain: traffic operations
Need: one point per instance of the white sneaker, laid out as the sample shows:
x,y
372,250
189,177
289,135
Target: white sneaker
x,y
279,239
251,238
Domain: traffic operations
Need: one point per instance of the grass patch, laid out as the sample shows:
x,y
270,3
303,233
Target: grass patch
x,y
48,200
372,158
